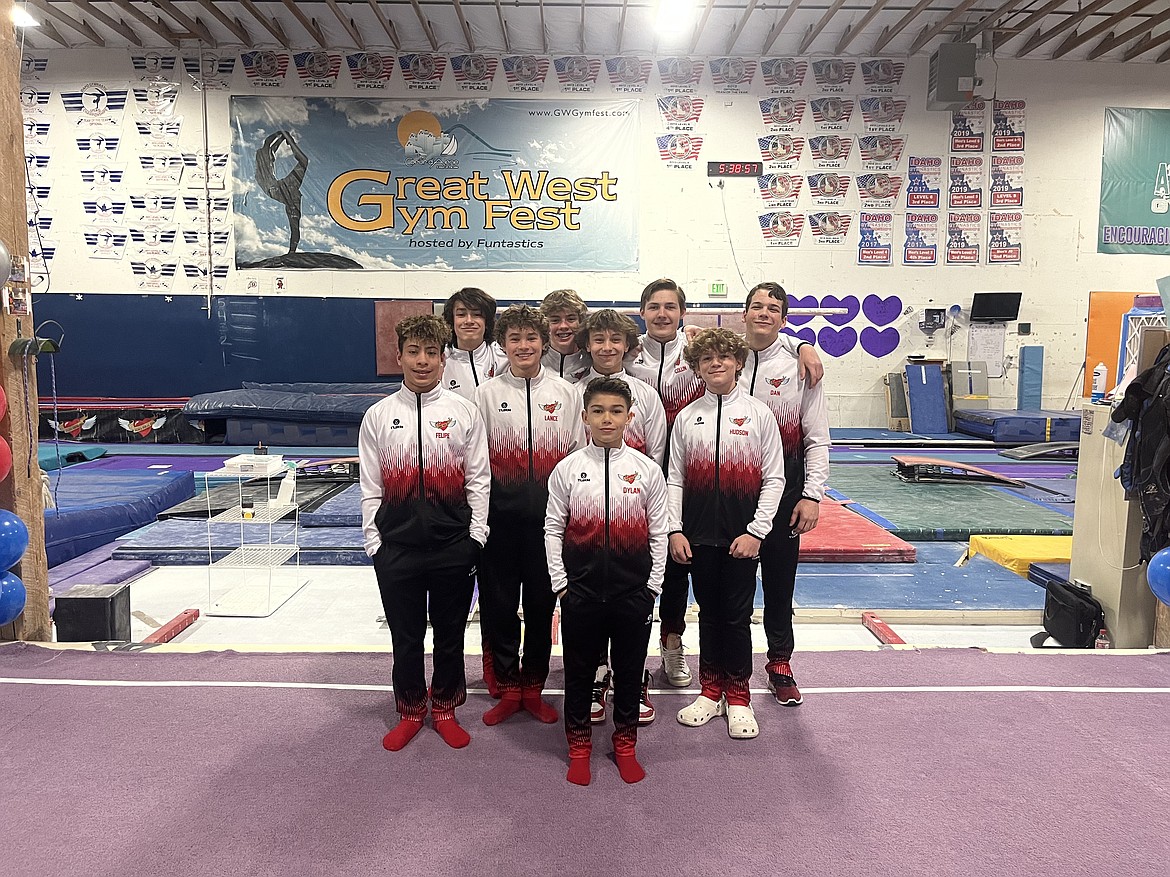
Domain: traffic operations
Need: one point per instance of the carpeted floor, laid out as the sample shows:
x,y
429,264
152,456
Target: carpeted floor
x,y
980,765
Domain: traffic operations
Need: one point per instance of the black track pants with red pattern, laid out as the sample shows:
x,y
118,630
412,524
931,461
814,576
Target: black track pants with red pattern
x,y
725,588
408,581
779,556
514,572
672,608
586,625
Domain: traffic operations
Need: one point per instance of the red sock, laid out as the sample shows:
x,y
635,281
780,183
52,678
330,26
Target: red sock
x,y
579,771
402,733
533,703
508,706
452,732
489,672
629,768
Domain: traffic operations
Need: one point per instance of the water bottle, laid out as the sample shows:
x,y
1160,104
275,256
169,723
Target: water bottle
x,y
1100,375
1102,641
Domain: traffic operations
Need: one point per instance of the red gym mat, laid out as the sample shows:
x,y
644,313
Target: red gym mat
x,y
842,536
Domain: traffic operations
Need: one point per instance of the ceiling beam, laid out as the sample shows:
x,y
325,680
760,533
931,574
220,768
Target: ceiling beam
x,y
156,25
46,27
426,25
347,23
1074,40
851,30
1041,36
543,28
814,30
1039,15
582,26
946,21
989,20
82,27
1145,44
267,22
230,22
508,38
309,24
113,24
1165,56
1138,30
700,25
463,24
387,24
778,27
194,25
747,14
621,25
888,33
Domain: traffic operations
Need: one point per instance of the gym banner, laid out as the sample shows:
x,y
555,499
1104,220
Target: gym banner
x,y
1135,182
473,184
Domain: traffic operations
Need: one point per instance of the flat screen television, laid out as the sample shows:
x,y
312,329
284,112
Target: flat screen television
x,y
995,307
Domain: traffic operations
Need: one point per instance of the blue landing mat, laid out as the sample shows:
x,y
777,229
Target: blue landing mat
x,y
934,582
94,508
178,541
176,450
1044,574
867,434
343,510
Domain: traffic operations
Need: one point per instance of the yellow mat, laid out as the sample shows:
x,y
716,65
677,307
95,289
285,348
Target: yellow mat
x,y
1017,553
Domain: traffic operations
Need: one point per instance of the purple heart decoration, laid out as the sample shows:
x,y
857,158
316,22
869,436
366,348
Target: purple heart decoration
x,y
837,342
851,305
880,342
797,301
881,311
803,334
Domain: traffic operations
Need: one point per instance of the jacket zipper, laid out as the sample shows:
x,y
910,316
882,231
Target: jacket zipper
x,y
528,396
718,431
471,359
661,365
605,568
755,374
421,489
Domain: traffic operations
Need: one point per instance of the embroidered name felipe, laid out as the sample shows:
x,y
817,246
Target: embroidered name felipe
x,y
630,479
550,411
441,427
738,424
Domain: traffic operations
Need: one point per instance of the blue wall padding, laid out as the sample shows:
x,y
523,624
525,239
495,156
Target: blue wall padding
x,y
1030,390
926,394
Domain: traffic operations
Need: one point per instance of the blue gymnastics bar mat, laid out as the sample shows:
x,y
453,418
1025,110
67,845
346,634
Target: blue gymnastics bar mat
x,y
1022,427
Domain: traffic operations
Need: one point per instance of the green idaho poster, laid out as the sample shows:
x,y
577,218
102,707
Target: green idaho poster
x,y
1135,182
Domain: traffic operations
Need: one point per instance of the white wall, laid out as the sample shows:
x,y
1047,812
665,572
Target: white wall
x,y
683,233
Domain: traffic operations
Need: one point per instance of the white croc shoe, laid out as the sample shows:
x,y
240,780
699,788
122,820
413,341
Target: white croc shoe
x,y
701,711
741,723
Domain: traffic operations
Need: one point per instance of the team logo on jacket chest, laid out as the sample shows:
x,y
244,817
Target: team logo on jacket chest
x,y
779,382
441,426
738,424
550,410
630,480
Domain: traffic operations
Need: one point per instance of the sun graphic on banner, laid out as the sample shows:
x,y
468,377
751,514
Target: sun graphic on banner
x,y
415,121
422,137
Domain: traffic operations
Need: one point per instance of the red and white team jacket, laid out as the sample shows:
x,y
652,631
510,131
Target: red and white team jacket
x,y
646,433
424,471
771,375
726,469
605,532
532,424
570,366
467,369
662,367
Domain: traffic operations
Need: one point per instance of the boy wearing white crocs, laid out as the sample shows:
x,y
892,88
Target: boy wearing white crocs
x,y
724,486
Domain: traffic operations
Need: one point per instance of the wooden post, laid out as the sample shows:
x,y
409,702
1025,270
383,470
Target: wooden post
x,y
21,491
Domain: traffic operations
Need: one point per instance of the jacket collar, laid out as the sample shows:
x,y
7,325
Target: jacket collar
x,y
596,453
425,398
511,380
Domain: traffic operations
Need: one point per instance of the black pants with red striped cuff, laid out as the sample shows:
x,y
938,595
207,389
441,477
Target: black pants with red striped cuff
x,y
672,607
586,625
725,588
515,572
411,584
779,556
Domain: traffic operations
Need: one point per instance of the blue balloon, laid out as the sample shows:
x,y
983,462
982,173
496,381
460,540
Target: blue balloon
x,y
13,539
12,597
1158,575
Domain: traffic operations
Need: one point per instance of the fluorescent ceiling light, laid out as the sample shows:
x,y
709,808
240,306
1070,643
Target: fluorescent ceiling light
x,y
21,18
675,17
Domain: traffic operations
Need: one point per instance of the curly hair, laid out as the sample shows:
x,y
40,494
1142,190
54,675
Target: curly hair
x,y
774,290
521,317
609,386
564,300
427,328
715,341
607,320
474,300
658,286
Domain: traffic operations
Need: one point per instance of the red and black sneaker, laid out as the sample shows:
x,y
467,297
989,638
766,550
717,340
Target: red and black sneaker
x,y
645,708
782,685
600,688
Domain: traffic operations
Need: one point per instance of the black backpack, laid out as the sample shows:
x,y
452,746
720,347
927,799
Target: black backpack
x,y
1072,617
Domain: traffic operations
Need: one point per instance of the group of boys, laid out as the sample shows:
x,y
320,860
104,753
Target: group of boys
x,y
555,454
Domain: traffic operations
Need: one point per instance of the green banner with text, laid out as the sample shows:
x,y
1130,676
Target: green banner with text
x,y
1135,182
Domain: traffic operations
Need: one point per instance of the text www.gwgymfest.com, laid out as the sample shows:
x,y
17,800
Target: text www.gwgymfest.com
x,y
575,113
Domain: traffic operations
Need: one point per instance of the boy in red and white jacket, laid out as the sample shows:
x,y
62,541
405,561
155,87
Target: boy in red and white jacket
x,y
425,485
473,357
532,424
606,537
725,482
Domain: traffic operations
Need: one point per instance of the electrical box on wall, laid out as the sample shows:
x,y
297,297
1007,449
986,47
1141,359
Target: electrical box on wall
x,y
951,79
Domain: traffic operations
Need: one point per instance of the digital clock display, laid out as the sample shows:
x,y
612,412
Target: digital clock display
x,y
735,168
